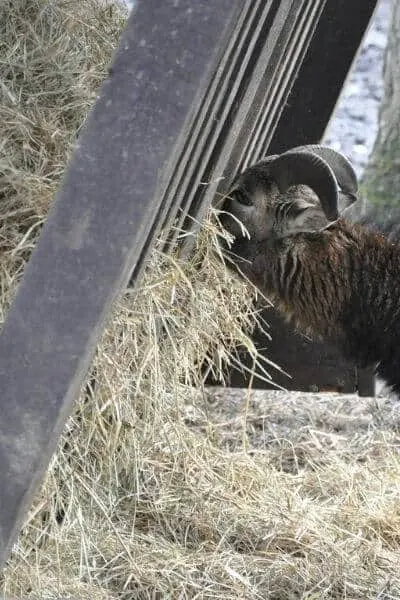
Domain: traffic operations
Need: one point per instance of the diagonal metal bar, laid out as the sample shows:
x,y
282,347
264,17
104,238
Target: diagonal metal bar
x,y
101,226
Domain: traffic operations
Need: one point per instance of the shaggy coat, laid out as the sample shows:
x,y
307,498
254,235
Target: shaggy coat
x,y
334,279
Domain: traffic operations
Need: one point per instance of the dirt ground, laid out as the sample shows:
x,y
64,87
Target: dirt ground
x,y
340,425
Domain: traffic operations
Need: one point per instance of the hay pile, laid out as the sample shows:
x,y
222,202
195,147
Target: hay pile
x,y
160,489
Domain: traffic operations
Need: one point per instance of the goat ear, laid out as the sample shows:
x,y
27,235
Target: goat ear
x,y
307,217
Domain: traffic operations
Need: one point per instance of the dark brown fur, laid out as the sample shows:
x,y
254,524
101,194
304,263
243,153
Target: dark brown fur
x,y
340,281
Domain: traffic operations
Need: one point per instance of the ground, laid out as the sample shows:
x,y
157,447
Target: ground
x,y
328,421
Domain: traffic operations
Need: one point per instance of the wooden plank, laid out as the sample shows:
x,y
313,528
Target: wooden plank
x,y
366,381
322,74
101,227
268,46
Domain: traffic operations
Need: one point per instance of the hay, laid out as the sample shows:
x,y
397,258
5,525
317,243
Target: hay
x,y
53,57
159,488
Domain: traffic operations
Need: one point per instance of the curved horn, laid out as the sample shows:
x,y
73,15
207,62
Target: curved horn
x,y
294,168
343,170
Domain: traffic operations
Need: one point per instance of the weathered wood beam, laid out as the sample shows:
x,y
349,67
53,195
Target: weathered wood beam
x,y
100,229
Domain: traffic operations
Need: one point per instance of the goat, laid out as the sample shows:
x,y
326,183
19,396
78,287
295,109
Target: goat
x,y
336,280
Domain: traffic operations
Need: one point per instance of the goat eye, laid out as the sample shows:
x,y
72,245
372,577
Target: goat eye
x,y
242,197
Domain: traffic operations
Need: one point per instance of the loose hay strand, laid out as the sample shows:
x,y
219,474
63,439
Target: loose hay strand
x,y
161,488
